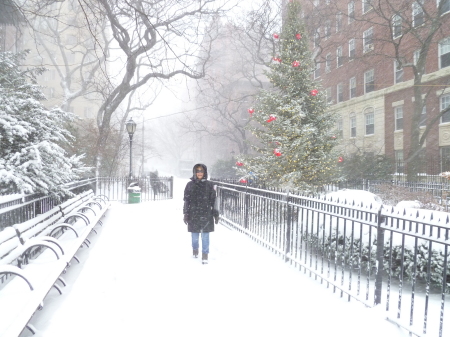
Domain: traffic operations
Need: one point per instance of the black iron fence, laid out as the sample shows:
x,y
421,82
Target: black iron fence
x,y
151,188
436,186
17,208
374,254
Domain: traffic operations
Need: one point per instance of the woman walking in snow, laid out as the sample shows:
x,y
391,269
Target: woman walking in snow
x,y
199,212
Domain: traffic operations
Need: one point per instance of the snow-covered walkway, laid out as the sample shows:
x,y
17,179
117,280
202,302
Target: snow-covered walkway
x,y
138,278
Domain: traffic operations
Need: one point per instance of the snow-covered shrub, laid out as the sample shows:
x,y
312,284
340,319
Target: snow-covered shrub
x,y
392,195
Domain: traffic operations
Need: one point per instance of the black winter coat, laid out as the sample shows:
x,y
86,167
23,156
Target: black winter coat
x,y
199,200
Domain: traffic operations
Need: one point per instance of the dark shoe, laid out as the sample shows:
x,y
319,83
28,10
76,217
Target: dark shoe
x,y
195,253
204,258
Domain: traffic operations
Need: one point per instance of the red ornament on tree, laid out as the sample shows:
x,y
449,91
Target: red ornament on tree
x,y
277,152
276,36
333,137
314,92
271,118
243,181
295,64
250,110
238,163
340,159
277,59
298,36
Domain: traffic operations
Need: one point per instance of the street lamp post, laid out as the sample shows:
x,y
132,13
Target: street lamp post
x,y
131,128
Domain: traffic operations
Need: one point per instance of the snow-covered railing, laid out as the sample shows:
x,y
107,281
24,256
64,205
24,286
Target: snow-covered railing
x,y
20,208
363,250
35,253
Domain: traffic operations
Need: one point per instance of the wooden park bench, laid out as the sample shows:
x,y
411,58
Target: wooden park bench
x,y
34,254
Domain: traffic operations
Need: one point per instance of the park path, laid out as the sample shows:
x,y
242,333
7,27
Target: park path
x,y
138,278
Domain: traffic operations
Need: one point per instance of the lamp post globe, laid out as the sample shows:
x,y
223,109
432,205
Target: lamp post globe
x,y
131,128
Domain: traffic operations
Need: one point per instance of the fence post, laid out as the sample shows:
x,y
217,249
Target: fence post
x,y
246,208
288,227
380,257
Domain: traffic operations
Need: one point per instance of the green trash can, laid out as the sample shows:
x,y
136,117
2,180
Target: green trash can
x,y
134,195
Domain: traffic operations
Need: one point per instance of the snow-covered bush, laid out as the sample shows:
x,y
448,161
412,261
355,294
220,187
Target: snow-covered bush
x,y
31,158
392,195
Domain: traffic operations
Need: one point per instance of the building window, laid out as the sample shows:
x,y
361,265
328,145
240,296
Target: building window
x,y
423,116
445,6
370,122
351,49
416,56
352,87
70,57
317,38
317,70
2,38
328,63
368,39
398,161
329,96
352,125
327,29
50,93
398,71
417,13
444,53
369,81
340,93
366,5
88,113
445,158
338,22
396,26
339,58
399,118
445,104
351,11
339,128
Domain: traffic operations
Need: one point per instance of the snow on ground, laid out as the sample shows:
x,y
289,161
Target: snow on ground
x,y
138,278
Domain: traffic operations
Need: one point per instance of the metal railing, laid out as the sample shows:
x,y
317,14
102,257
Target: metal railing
x,y
439,189
22,208
17,209
151,188
374,254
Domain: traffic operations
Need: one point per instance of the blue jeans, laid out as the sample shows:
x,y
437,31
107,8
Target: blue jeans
x,y
205,242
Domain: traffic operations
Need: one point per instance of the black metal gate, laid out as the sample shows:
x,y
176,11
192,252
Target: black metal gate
x,y
152,188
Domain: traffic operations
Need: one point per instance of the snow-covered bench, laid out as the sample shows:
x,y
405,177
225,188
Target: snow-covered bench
x,y
54,237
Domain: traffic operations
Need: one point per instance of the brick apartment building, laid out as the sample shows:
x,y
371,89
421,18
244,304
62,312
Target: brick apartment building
x,y
385,67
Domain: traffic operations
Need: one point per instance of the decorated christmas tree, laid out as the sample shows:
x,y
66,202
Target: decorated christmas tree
x,y
291,120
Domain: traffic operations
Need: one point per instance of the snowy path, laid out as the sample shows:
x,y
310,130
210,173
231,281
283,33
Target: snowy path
x,y
139,279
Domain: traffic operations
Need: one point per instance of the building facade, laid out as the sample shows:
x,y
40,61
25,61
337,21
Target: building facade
x,y
385,68
10,21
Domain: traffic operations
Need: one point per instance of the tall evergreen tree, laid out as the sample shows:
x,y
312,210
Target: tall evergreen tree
x,y
291,120
31,158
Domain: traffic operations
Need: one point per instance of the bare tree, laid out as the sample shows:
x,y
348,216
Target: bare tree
x,y
167,34
150,41
242,48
